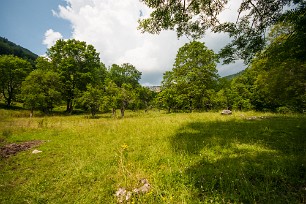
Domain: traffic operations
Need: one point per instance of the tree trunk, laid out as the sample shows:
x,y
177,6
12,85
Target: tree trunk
x,y
69,106
31,113
146,106
8,102
8,99
68,102
114,112
122,109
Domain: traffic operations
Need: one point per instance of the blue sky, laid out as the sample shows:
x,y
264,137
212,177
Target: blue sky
x,y
25,22
110,26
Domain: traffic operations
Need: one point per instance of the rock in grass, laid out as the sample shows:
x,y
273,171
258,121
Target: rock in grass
x,y
124,196
35,151
226,112
121,195
144,188
12,149
252,118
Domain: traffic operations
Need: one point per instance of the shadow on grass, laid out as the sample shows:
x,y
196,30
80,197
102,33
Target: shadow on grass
x,y
12,107
260,161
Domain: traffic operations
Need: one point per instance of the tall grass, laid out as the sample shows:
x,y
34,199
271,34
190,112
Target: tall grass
x,y
187,158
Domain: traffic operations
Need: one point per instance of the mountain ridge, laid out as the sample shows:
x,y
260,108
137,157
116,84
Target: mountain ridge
x,y
8,47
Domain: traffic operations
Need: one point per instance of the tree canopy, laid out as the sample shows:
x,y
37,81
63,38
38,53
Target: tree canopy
x,y
13,70
92,99
41,90
194,73
194,17
124,74
77,64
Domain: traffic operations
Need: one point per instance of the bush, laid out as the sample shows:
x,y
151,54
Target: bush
x,y
284,110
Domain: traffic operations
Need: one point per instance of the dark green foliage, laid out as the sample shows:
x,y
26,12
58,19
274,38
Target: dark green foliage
x,y
92,99
41,90
186,17
10,48
276,76
144,97
13,70
111,98
123,88
43,63
241,92
126,95
191,82
193,18
78,65
249,34
275,80
100,75
126,73
232,76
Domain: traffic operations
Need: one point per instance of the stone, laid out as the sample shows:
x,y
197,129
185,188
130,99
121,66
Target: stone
x,y
124,196
121,195
35,151
144,188
226,112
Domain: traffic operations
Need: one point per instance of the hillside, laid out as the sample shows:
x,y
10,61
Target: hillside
x,y
9,48
232,76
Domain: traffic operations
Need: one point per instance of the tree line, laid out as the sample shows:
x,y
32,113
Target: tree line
x,y
275,79
72,73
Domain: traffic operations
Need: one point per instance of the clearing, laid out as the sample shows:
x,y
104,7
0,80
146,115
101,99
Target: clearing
x,y
185,158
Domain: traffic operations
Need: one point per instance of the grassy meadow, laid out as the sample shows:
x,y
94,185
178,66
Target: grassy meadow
x,y
186,157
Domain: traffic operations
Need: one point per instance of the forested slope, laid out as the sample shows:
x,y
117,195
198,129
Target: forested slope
x,y
9,48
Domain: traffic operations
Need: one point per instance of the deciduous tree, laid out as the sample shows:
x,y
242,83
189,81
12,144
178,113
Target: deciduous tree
x,y
92,99
194,73
77,64
126,95
41,90
111,98
124,74
13,71
247,32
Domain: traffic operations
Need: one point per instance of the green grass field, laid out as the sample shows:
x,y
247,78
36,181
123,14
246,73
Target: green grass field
x,y
186,158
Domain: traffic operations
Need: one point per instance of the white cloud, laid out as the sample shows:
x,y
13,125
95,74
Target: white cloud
x,y
230,12
51,37
229,69
111,26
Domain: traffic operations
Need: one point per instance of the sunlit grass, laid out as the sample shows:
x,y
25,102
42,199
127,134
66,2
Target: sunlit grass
x,y
187,158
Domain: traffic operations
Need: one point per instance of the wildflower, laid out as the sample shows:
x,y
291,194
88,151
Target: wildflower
x,y
124,146
150,193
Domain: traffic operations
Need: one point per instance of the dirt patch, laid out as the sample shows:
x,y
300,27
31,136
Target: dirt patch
x,y
12,149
